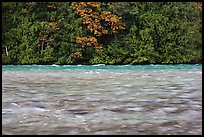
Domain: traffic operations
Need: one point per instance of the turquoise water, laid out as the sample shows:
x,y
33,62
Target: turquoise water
x,y
102,99
99,66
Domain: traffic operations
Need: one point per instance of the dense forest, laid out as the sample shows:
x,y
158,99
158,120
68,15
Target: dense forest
x,y
101,32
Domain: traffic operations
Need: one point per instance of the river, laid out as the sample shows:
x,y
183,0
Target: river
x,y
102,99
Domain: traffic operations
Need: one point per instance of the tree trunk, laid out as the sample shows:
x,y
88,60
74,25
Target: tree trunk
x,y
6,51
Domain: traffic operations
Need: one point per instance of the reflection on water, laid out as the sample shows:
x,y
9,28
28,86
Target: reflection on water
x,y
102,101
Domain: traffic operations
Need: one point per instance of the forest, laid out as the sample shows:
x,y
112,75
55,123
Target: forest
x,y
101,33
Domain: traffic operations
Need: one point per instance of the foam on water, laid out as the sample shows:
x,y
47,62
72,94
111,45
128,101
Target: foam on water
x,y
88,99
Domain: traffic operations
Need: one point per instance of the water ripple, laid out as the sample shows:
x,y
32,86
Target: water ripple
x,y
101,99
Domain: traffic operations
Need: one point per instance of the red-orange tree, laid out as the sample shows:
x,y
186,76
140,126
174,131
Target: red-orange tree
x,y
97,21
198,5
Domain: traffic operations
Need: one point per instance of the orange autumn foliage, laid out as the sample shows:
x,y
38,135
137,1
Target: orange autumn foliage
x,y
53,24
88,41
92,17
198,6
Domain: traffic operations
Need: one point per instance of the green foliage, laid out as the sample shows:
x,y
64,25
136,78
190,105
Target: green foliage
x,y
5,59
46,32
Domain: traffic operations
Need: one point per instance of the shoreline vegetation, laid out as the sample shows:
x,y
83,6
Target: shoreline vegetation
x,y
110,33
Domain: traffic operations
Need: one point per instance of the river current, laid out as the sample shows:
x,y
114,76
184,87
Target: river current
x,y
102,99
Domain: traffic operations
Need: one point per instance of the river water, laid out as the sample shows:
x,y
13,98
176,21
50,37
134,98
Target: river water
x,y
102,99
